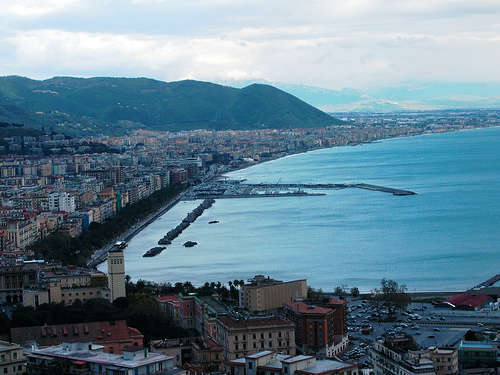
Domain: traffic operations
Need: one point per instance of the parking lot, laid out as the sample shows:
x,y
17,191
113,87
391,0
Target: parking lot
x,y
429,325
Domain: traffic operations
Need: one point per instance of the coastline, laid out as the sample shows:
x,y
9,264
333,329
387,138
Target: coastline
x,y
353,144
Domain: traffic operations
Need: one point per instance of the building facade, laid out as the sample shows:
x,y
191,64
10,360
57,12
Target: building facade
x,y
261,293
243,337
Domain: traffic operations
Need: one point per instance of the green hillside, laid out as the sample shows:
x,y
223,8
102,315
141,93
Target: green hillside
x,y
115,105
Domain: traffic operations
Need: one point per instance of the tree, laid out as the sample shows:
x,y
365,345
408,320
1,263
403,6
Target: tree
x,y
354,292
340,291
393,294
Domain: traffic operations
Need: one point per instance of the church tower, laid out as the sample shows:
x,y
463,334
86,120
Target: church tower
x,y
116,274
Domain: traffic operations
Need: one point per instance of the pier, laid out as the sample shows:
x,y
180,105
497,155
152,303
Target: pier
x,y
237,189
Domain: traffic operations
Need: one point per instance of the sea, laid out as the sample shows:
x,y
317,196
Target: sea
x,y
444,238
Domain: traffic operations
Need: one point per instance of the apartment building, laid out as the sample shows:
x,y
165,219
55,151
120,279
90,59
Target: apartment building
x,y
315,329
263,293
243,337
61,201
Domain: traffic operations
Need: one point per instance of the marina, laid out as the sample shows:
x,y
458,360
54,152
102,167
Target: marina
x,y
223,189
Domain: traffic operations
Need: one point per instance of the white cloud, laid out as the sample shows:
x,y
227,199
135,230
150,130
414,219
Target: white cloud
x,y
352,43
34,8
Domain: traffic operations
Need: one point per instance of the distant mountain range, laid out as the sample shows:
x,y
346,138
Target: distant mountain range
x,y
409,96
114,105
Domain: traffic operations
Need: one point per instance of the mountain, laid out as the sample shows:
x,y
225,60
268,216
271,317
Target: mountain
x,y
115,105
408,96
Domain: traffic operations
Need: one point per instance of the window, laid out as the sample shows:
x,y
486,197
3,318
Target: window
x,y
270,335
261,335
262,345
279,334
254,345
236,337
270,344
5,370
14,355
250,364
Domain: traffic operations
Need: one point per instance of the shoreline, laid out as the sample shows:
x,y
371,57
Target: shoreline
x,y
354,144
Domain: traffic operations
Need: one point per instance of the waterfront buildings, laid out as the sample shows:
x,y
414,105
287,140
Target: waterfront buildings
x,y
263,293
243,337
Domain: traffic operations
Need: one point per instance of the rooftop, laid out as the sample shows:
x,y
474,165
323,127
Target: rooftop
x,y
90,356
297,358
259,354
304,308
276,363
325,366
476,345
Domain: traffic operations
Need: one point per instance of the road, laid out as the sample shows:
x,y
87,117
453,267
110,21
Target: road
x,y
100,255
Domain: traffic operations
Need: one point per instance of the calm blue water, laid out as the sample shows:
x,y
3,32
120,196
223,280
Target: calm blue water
x,y
445,238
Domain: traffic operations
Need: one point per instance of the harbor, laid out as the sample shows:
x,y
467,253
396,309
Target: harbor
x,y
223,189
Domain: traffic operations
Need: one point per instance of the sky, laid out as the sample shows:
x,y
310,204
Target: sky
x,y
327,43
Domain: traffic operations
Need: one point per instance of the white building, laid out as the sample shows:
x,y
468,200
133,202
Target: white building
x,y
87,358
61,201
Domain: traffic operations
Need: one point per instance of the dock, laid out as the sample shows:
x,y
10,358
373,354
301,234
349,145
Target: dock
x,y
237,189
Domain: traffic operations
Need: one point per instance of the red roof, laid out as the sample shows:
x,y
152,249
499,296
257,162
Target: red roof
x,y
167,298
304,308
464,299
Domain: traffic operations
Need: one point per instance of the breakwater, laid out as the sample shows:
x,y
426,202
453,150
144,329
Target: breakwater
x,y
186,222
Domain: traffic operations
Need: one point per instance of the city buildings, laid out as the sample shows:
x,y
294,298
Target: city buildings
x,y
263,293
242,337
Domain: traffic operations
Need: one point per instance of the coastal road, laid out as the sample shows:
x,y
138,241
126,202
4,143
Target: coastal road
x,y
100,255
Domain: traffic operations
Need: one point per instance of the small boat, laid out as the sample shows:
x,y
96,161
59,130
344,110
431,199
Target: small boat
x,y
190,243
213,222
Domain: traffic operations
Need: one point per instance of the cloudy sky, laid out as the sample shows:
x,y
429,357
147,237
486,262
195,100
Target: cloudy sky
x,y
327,43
